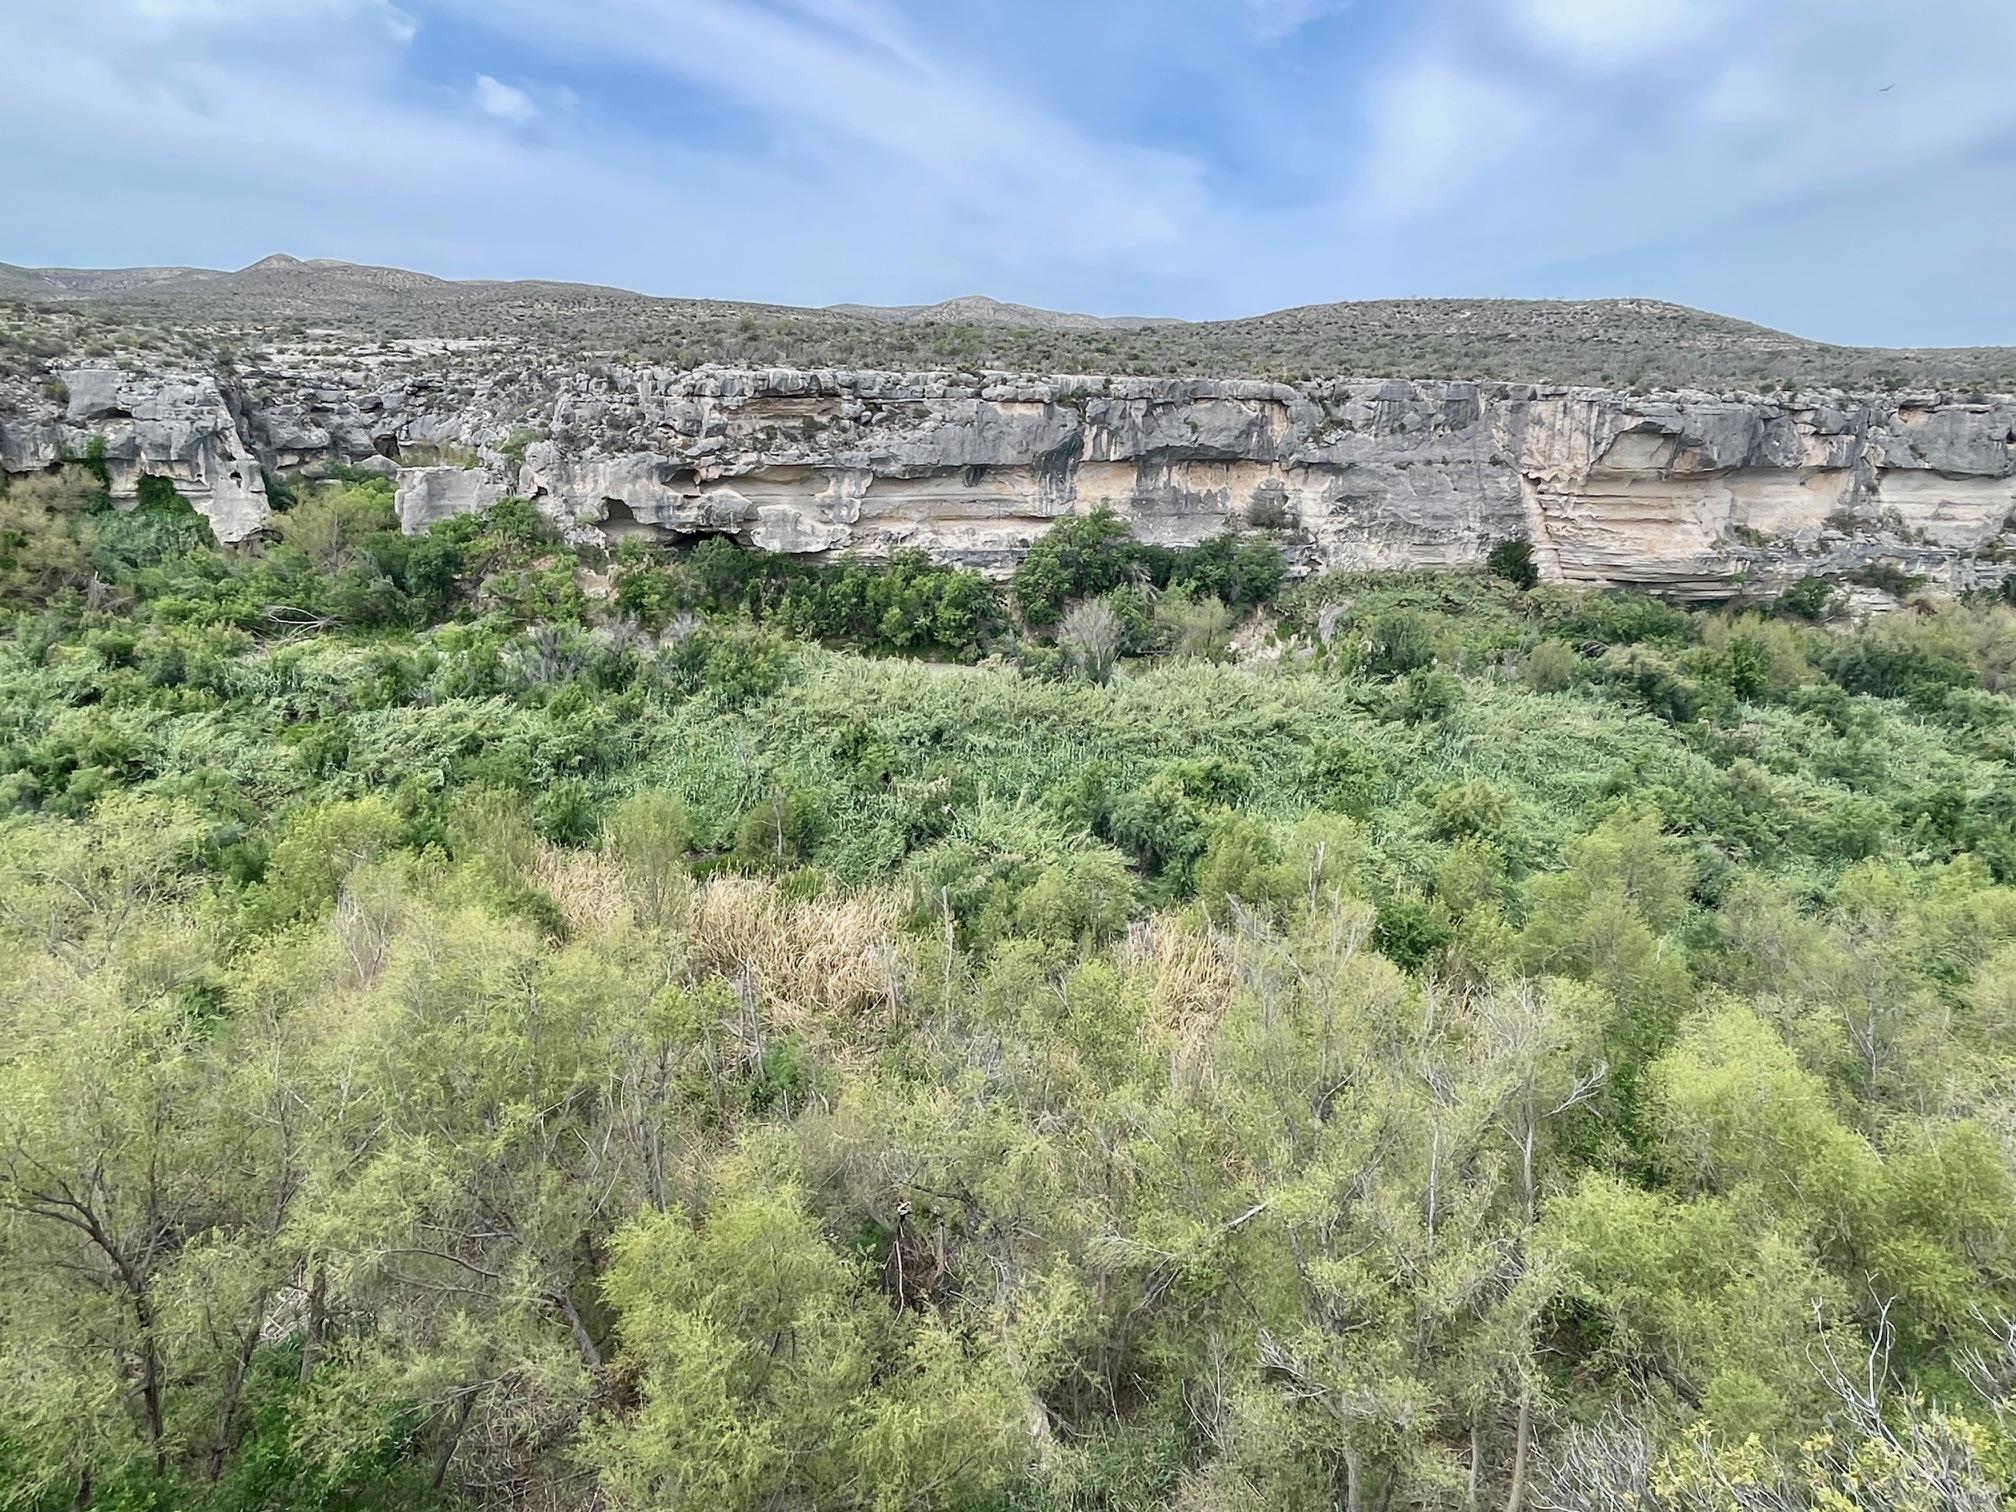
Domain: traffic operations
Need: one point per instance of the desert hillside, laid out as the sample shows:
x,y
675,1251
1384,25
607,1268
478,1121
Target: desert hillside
x,y
1641,343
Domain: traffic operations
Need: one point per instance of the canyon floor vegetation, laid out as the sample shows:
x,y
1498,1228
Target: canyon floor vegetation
x,y
484,1024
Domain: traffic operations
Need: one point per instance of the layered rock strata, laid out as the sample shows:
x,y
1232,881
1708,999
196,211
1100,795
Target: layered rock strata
x,y
1695,494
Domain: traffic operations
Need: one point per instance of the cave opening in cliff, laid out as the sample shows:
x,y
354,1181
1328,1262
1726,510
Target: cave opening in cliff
x,y
620,520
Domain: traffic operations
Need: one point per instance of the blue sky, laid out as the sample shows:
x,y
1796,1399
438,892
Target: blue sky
x,y
1841,168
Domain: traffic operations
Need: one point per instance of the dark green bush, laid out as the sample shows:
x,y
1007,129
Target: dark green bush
x,y
1810,598
1891,669
1399,642
1513,561
1087,556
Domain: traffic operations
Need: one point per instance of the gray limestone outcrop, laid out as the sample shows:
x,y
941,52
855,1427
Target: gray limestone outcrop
x,y
181,427
1692,493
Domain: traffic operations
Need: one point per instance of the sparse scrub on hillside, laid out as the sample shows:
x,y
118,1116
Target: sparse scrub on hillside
x,y
1639,345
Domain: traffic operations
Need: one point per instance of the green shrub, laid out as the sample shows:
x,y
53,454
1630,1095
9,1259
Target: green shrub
x,y
1199,629
1810,598
909,604
1077,557
1552,667
1887,577
1088,556
1399,642
1343,776
47,534
1239,865
312,854
1086,897
1513,561
1894,669
1475,808
1614,617
780,832
1165,823
1425,696
1411,929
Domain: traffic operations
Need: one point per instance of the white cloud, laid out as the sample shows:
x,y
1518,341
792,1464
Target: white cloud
x,y
842,93
1613,34
505,101
874,149
1271,20
1436,125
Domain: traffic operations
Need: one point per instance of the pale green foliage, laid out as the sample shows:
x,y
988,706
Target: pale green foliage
x,y
315,851
1602,916
1777,649
1199,628
1705,1289
491,828
773,1373
327,525
546,1088
1734,1110
46,533
1307,864
510,1191
1551,667
649,834
1088,896
1629,856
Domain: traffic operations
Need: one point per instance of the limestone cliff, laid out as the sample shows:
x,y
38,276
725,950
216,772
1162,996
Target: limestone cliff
x,y
1691,493
182,427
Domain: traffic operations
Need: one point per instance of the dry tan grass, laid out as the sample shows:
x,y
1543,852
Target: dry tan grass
x,y
1190,980
818,964
813,964
588,887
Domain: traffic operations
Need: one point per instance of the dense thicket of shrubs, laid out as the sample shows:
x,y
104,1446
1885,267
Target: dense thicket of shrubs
x,y
1095,555
909,605
482,1024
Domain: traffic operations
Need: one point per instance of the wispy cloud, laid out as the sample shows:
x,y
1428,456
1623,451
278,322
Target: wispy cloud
x,y
1271,20
1607,34
494,97
1188,156
824,83
1436,126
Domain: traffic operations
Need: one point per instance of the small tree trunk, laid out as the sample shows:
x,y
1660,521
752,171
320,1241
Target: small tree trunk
x,y
150,1381
311,1342
227,1411
1516,1496
446,1453
591,1356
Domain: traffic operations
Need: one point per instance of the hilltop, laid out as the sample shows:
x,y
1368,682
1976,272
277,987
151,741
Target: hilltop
x,y
983,309
1623,343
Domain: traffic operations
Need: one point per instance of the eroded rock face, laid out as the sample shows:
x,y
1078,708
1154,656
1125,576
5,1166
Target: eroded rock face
x,y
1689,493
178,427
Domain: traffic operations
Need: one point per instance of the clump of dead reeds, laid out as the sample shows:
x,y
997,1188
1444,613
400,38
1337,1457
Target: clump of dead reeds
x,y
829,958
